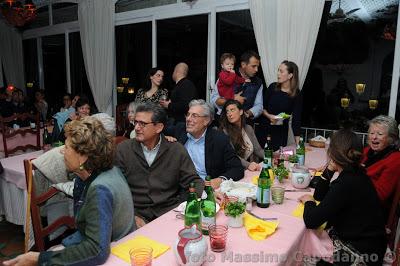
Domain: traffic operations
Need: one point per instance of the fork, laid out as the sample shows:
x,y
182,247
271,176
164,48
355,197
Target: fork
x,y
261,218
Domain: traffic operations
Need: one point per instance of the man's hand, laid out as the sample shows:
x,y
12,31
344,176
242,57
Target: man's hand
x,y
27,259
170,139
248,114
219,197
164,103
216,182
306,197
239,97
139,221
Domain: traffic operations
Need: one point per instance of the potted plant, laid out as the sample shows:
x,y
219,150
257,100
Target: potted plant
x,y
281,172
293,159
235,210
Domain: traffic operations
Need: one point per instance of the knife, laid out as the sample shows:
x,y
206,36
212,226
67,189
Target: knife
x,y
261,218
298,190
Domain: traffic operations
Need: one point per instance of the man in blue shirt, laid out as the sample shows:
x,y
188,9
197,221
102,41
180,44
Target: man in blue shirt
x,y
209,149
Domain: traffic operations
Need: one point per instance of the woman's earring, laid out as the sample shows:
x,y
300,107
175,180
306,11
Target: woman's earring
x,y
81,167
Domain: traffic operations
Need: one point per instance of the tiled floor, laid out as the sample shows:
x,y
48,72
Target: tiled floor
x,y
11,240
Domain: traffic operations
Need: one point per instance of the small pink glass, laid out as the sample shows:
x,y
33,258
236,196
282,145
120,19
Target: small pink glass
x,y
141,256
218,235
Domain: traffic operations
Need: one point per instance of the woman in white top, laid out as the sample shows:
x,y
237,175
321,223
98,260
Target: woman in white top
x,y
242,137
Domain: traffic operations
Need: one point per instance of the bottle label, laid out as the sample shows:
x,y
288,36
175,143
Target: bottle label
x,y
206,221
263,195
301,159
267,162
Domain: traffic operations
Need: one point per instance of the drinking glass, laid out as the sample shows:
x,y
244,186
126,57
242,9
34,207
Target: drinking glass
x,y
141,256
218,235
277,194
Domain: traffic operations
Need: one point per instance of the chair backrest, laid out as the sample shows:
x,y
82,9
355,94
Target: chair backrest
x,y
34,203
121,119
8,133
394,216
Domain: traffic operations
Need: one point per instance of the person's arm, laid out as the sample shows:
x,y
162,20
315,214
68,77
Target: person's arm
x,y
296,116
239,79
386,182
216,100
233,167
258,151
227,78
94,248
257,108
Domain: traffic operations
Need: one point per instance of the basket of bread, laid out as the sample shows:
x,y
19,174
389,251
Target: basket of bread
x,y
318,141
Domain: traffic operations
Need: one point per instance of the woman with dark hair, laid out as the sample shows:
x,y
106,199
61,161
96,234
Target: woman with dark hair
x,y
241,135
282,96
152,91
349,204
103,205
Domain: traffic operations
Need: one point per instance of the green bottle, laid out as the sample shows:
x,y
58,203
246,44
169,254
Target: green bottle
x,y
301,152
264,188
192,210
268,153
208,207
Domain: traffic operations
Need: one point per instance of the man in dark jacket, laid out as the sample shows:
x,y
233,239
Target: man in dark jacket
x,y
210,150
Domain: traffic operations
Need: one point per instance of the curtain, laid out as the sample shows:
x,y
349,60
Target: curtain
x,y
1,74
11,56
96,22
285,30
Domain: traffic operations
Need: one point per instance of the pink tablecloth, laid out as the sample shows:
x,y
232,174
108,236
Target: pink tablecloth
x,y
19,140
285,247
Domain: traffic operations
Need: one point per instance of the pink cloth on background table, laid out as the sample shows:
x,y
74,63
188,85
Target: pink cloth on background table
x,y
14,168
285,247
19,140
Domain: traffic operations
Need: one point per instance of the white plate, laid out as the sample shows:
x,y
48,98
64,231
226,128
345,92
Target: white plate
x,y
181,208
241,190
279,121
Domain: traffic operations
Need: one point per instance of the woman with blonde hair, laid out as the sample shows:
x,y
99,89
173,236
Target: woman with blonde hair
x,y
103,204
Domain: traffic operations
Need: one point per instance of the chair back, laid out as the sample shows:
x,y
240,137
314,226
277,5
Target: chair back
x,y
393,219
34,203
8,132
121,119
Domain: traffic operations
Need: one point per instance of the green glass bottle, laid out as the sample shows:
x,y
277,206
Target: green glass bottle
x,y
268,153
192,210
301,152
208,207
264,188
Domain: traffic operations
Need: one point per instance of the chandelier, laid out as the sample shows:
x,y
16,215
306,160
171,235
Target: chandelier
x,y
16,13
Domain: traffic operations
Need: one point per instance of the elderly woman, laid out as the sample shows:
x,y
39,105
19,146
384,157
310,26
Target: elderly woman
x,y
130,131
103,203
152,91
349,204
382,157
241,135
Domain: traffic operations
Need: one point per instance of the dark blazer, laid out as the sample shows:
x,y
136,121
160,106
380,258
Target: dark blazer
x,y
183,92
221,159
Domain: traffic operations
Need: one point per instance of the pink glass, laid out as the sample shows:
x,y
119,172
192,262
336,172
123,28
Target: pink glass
x,y
141,256
218,234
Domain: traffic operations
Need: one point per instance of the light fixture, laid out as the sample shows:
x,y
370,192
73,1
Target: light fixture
x,y
345,101
120,89
125,80
18,14
360,88
131,90
29,84
373,104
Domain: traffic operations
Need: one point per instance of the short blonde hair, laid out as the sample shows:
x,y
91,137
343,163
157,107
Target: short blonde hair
x,y
89,137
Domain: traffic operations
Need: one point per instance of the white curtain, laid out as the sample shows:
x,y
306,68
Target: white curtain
x,y
96,22
11,56
285,30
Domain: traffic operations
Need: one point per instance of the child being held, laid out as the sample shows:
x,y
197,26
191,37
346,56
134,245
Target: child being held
x,y
228,79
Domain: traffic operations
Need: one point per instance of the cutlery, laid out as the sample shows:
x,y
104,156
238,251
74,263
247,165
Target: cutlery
x,y
261,218
298,190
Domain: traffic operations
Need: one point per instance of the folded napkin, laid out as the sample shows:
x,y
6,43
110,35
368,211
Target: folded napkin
x,y
258,229
299,211
122,250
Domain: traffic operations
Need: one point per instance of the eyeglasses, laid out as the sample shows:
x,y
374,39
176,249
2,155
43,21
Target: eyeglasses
x,y
194,116
141,124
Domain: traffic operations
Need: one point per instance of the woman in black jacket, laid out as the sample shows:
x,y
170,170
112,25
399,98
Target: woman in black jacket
x,y
349,204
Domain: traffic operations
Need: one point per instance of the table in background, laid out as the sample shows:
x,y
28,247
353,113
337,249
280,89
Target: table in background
x,y
291,239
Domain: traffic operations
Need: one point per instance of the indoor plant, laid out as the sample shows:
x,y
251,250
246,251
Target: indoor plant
x,y
293,159
235,210
281,172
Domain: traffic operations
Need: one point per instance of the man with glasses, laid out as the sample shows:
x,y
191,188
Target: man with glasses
x,y
210,150
158,172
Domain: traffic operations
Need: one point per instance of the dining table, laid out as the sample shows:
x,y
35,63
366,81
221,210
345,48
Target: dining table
x,y
290,244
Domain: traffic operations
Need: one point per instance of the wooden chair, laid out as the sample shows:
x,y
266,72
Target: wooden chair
x,y
394,215
34,202
121,119
8,133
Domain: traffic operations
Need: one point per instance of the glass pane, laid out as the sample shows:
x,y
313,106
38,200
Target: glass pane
x,y
184,40
55,82
31,66
64,12
126,5
350,50
235,35
133,53
79,82
41,20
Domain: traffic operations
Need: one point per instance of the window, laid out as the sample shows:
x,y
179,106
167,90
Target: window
x,y
126,5
349,51
64,12
31,66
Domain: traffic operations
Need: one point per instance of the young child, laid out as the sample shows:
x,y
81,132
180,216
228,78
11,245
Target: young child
x,y
228,79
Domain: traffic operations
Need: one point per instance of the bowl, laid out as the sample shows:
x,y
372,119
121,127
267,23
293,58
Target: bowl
x,y
300,177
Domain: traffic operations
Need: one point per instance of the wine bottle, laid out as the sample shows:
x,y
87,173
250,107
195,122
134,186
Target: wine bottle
x,y
301,152
192,210
268,153
264,188
208,207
